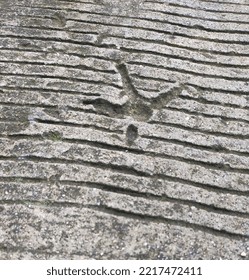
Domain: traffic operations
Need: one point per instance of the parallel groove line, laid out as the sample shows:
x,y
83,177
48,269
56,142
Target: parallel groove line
x,y
94,2
137,151
235,42
81,2
57,40
205,88
66,123
148,29
171,44
202,100
206,187
171,141
122,169
134,193
193,10
164,123
131,215
103,46
226,2
73,72
148,196
201,28
204,114
198,99
199,81
164,197
195,27
144,52
80,67
160,219
46,76
189,59
139,211
152,2
197,113
28,105
70,92
154,197
201,130
170,3
71,124
200,146
207,147
193,73
194,17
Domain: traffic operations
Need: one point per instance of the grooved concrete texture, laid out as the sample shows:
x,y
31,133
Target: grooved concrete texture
x,y
124,129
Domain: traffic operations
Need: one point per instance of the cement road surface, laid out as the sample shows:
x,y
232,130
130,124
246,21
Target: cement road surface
x,y
124,129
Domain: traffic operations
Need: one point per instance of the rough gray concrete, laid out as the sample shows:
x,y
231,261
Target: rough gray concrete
x,y
124,129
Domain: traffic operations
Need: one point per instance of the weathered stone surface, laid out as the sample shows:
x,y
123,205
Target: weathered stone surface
x,y
124,129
